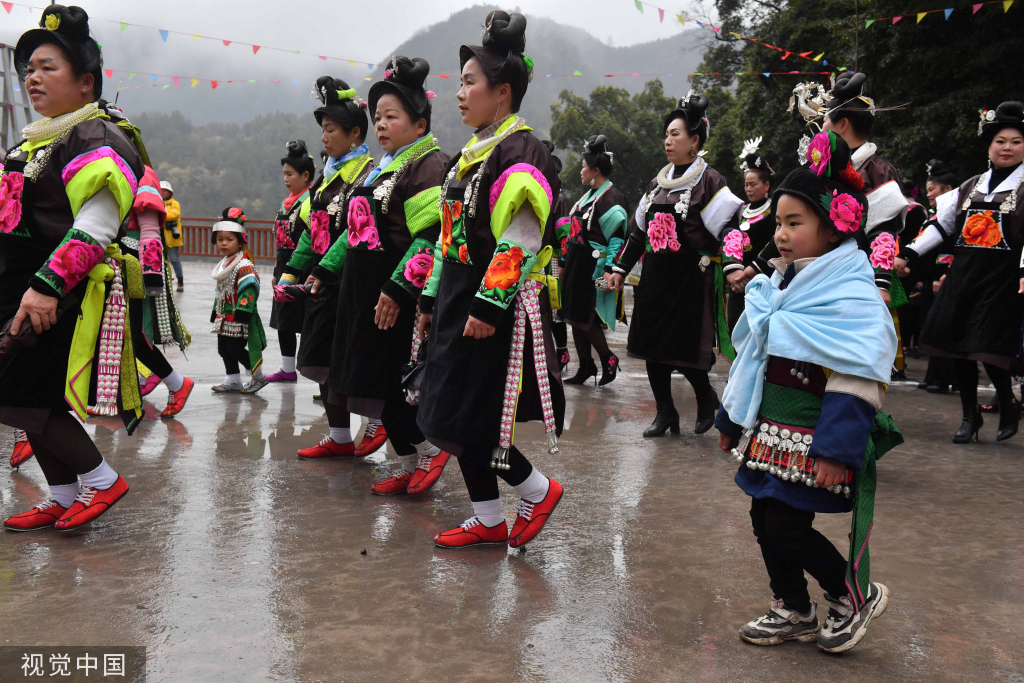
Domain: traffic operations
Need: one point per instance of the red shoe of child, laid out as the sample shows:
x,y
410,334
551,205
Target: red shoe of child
x,y
22,448
91,503
149,385
533,516
373,439
176,399
472,532
42,516
428,471
392,486
328,448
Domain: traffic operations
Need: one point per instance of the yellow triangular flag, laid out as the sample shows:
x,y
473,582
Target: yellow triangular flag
x,y
681,19
1006,5
196,37
738,36
195,82
818,58
351,62
920,16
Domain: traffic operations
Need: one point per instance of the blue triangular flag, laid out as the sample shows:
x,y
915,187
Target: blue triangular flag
x,y
163,34
824,62
700,24
766,74
371,66
295,81
948,12
549,75
153,78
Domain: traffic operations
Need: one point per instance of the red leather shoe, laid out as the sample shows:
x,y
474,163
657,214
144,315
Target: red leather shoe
x,y
373,439
472,532
176,399
147,387
393,486
42,516
22,448
327,448
91,503
533,516
428,471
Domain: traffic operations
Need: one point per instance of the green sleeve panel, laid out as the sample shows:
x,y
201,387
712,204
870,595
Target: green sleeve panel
x,y
334,259
421,210
434,278
613,222
509,268
302,255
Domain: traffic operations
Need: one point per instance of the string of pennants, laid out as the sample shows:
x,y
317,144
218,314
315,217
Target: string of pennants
x,y
885,21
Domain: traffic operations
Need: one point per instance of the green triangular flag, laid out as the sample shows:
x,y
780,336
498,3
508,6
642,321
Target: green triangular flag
x,y
639,5
868,22
123,27
576,73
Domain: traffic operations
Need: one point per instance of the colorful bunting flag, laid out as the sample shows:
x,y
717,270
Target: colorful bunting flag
x,y
226,42
661,15
152,78
868,22
639,5
255,49
195,82
895,19
948,12
1006,5
176,81
163,34
920,16
124,27
576,73
166,87
214,84
8,6
977,7
109,73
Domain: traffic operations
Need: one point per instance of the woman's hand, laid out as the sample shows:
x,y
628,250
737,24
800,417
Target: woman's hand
x,y
425,320
938,283
885,296
39,309
830,472
737,280
477,329
727,443
273,281
1020,290
614,281
385,312
900,264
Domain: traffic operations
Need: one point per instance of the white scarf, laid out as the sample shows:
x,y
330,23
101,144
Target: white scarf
x,y
226,266
862,154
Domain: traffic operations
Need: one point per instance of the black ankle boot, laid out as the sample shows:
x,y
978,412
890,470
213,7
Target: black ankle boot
x,y
563,357
666,419
707,407
1009,420
587,369
609,369
971,426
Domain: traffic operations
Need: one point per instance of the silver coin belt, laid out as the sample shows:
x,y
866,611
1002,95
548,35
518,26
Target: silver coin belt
x,y
782,453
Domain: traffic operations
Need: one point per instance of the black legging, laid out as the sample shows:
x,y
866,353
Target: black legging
x,y
233,351
64,449
288,343
337,413
399,420
482,479
660,377
967,378
149,355
583,339
560,334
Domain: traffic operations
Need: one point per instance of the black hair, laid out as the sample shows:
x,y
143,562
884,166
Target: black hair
x,y
763,173
298,158
348,111
550,146
940,173
501,55
68,29
596,154
692,110
846,103
860,121
404,78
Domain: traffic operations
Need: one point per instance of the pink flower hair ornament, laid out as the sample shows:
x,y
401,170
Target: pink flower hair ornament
x,y
819,153
845,212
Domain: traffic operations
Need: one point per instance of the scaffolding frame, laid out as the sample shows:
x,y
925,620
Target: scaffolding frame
x,y
8,121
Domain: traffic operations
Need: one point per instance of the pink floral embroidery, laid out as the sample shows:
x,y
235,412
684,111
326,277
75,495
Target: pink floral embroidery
x,y
281,236
10,201
819,153
362,228
320,231
945,259
883,251
846,212
152,257
736,242
73,261
574,228
661,232
417,268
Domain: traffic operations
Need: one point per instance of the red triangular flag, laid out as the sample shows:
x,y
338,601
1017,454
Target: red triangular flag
x,y
895,19
977,7
255,49
226,42
661,14
806,54
322,57
8,6
213,84
109,73
788,53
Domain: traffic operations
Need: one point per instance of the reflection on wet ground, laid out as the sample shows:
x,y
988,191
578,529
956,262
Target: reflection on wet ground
x,y
232,561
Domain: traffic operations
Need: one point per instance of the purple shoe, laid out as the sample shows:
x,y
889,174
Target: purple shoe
x,y
149,385
282,376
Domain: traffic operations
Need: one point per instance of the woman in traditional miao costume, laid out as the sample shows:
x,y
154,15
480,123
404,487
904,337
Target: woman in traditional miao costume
x,y
65,190
491,361
679,306
597,231
393,224
342,116
286,317
978,311
558,223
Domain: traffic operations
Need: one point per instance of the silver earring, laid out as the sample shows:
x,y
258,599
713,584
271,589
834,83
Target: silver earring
x,y
352,147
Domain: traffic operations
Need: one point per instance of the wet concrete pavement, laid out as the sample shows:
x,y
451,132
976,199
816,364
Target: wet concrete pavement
x,y
230,560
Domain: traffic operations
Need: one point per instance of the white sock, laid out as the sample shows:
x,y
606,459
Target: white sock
x,y
233,379
102,478
258,375
534,488
341,435
174,381
142,380
408,462
288,363
64,494
374,421
427,448
489,512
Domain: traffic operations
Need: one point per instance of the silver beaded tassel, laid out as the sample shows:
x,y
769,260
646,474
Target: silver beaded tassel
x,y
111,342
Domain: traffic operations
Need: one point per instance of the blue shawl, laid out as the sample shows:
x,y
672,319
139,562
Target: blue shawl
x,y
831,314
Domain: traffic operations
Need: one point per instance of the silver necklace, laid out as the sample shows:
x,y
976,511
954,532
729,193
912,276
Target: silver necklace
x,y
1009,204
682,206
760,211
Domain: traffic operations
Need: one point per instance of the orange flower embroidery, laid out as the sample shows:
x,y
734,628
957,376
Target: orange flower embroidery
x,y
463,253
504,270
446,228
982,230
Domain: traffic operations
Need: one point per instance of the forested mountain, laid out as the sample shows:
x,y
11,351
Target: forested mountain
x,y
218,164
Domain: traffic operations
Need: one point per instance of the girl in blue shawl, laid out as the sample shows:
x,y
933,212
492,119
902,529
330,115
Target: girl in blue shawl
x,y
800,413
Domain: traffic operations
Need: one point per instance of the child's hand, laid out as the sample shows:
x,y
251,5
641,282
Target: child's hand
x,y
830,472
727,443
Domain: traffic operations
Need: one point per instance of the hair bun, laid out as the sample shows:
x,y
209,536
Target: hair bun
x,y
695,105
297,148
596,144
505,32
72,22
848,86
233,214
410,72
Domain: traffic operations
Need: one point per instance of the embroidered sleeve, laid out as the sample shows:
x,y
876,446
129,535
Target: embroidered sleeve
x,y
734,247
884,249
151,248
411,274
636,245
87,173
433,279
330,266
248,288
520,183
421,210
613,227
513,259
303,253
